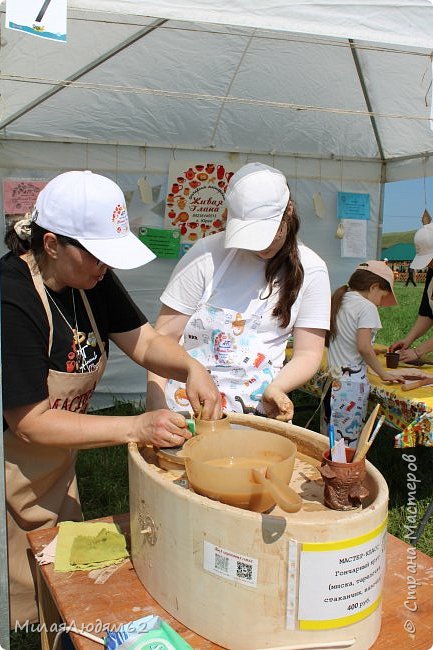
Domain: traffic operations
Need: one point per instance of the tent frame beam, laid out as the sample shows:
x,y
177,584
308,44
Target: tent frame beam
x,y
426,155
83,71
366,97
209,148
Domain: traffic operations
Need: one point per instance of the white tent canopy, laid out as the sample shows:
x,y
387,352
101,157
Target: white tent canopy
x,y
336,95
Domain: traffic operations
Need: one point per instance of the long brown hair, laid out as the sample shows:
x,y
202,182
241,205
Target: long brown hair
x,y
360,280
284,271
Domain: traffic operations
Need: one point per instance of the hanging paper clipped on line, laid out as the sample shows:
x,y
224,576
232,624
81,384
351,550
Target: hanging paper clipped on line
x,y
426,218
319,205
145,190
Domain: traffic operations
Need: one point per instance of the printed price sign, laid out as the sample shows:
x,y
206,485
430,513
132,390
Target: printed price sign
x,y
347,577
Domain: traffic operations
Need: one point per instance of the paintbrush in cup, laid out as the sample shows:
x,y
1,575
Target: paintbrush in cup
x,y
367,445
365,433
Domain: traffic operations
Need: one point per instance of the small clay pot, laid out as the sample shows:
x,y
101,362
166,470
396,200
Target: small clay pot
x,y
212,426
392,359
343,482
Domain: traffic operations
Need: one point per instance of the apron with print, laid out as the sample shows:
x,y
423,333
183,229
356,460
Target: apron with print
x,y
349,401
228,345
41,486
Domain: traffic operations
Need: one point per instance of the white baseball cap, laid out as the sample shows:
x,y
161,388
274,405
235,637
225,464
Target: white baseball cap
x,y
423,241
256,198
91,209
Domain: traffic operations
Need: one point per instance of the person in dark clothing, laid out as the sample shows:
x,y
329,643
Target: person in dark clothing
x,y
61,305
410,277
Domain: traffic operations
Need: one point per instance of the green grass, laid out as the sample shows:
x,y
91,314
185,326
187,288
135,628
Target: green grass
x,y
103,473
396,321
391,238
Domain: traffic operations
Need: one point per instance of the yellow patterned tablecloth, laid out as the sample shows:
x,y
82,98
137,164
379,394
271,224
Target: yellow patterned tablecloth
x,y
409,411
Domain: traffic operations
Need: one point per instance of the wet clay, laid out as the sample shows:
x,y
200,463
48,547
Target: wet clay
x,y
245,462
343,482
212,426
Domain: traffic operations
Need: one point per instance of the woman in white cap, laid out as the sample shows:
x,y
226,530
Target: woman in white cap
x,y
61,303
236,297
423,241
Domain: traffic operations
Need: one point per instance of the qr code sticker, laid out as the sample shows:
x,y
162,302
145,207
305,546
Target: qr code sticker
x,y
221,563
244,571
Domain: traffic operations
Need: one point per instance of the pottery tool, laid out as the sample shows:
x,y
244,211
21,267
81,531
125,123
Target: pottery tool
x,y
367,445
365,433
331,435
411,385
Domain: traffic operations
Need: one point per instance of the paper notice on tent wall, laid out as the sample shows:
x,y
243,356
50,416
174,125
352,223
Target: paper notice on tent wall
x,y
351,205
164,243
354,242
196,198
19,197
43,18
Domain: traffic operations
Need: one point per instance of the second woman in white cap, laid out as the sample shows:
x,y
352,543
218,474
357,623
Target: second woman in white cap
x,y
236,297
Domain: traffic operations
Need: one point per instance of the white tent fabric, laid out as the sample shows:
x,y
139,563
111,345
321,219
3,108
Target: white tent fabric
x,y
336,95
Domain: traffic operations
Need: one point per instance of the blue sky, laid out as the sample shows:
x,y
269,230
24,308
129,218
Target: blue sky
x,y
405,202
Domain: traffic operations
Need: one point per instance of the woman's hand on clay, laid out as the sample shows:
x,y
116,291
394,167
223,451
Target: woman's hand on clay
x,y
162,428
398,345
408,355
203,393
277,404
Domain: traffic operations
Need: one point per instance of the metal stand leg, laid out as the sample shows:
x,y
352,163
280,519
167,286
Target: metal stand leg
x,y
428,513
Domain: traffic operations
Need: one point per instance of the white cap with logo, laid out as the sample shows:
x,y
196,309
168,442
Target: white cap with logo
x,y
91,209
256,198
423,241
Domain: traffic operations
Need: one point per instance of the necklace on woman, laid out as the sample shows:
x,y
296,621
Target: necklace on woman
x,y
78,337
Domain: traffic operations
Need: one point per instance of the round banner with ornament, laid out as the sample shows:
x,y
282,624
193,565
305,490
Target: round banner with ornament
x,y
196,199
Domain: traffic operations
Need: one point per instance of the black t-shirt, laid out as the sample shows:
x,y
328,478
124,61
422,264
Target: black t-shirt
x,y
424,308
25,330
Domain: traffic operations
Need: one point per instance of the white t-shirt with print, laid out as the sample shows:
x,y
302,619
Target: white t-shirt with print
x,y
355,312
242,285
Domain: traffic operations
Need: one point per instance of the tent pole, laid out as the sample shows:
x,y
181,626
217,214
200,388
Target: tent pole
x,y
4,576
380,216
378,143
366,97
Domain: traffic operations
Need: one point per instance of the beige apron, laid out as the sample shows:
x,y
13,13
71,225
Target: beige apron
x,y
41,486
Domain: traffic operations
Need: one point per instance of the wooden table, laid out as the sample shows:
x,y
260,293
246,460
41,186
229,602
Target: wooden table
x,y
122,598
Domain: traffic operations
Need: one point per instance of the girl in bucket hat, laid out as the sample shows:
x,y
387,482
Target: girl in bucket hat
x,y
416,355
355,321
257,274
61,304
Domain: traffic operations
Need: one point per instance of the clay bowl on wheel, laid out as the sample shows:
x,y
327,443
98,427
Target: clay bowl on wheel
x,y
221,466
